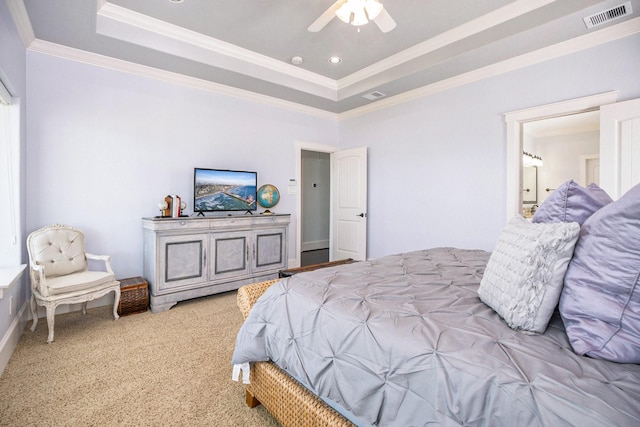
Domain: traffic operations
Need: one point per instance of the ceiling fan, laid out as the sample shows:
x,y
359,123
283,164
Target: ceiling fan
x,y
356,13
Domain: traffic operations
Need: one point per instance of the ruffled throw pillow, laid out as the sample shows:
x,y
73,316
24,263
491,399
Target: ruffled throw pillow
x,y
523,278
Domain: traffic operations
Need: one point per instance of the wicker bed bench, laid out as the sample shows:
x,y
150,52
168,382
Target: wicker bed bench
x,y
286,399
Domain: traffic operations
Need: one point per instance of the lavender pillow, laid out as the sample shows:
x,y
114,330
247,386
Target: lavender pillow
x,y
599,193
571,203
600,301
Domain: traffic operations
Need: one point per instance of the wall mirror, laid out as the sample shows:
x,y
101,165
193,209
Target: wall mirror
x,y
529,185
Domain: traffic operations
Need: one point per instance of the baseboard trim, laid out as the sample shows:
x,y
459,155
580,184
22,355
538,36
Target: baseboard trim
x,y
293,263
314,245
10,339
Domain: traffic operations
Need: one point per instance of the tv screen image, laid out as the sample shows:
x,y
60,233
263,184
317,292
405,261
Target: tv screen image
x,y
218,190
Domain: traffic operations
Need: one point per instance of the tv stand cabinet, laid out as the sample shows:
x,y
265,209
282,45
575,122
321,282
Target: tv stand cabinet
x,y
187,258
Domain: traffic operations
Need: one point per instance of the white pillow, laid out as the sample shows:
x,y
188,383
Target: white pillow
x,y
523,278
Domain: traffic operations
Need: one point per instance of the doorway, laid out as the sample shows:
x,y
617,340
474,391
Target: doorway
x,y
516,120
347,188
309,149
619,164
315,193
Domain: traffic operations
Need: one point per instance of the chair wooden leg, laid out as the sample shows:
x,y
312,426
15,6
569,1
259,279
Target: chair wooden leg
x,y
34,313
51,313
116,302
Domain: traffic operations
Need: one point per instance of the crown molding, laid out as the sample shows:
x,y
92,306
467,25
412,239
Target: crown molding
x,y
77,55
577,44
125,24
468,29
21,18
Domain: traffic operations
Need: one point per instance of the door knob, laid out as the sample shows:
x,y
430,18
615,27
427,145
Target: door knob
x,y
362,215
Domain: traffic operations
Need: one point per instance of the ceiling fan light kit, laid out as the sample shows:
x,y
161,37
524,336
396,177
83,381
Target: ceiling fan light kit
x,y
356,13
359,12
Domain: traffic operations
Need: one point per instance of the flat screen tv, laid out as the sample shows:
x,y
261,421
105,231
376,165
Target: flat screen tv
x,y
220,190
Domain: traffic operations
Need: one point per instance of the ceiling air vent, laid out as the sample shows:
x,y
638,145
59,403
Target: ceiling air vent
x,y
374,95
608,15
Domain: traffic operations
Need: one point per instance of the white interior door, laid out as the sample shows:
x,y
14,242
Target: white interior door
x,y
620,147
349,204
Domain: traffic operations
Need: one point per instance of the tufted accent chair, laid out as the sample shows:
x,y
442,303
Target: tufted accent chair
x,y
60,273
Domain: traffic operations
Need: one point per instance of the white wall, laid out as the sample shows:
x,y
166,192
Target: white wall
x,y
105,147
437,164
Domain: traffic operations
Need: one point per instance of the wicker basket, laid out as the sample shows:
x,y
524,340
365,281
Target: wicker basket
x,y
134,296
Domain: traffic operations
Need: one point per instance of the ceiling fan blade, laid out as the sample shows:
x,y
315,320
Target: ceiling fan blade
x,y
384,21
325,18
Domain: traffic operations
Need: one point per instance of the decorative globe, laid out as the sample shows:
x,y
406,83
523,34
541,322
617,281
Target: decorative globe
x,y
268,197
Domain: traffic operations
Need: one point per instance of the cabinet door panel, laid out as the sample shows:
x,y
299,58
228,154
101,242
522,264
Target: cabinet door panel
x,y
270,250
182,260
230,253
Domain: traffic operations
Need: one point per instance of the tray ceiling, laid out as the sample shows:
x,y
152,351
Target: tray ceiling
x,y
247,45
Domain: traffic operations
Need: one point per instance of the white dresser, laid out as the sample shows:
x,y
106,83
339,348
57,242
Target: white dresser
x,y
186,258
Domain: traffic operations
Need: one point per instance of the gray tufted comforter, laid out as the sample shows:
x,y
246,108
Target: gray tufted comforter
x,y
405,341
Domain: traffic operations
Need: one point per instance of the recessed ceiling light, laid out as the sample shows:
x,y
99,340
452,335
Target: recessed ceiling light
x,y
296,60
176,1
335,60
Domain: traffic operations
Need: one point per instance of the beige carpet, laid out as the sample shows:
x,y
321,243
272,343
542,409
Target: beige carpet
x,y
165,369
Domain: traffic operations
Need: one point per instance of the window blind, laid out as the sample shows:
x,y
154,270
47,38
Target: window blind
x,y
8,163
5,96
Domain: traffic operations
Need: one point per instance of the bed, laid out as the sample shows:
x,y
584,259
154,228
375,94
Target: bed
x,y
423,338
